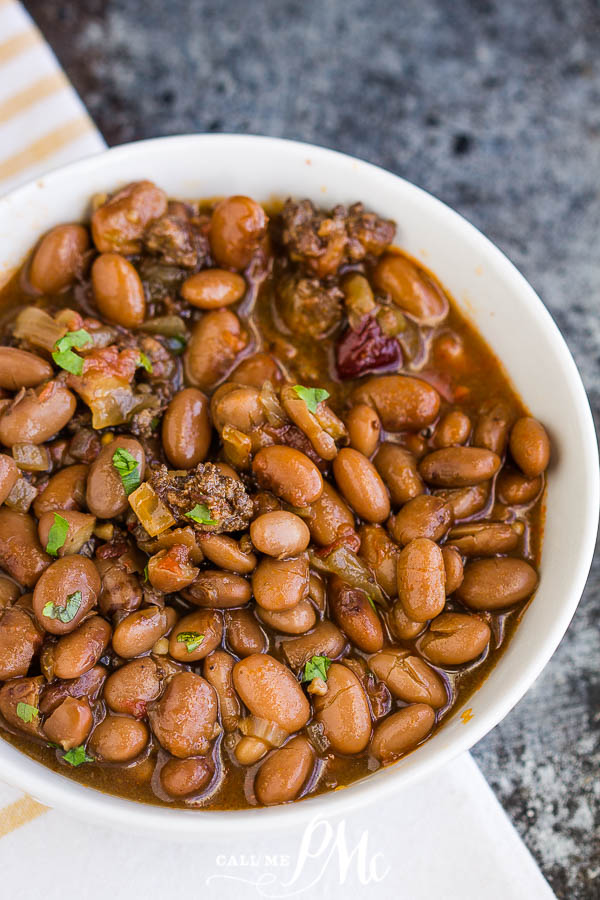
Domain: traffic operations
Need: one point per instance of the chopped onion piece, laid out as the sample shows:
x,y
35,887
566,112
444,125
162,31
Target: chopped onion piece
x,y
35,326
168,326
270,403
351,569
237,447
150,510
21,496
31,457
267,731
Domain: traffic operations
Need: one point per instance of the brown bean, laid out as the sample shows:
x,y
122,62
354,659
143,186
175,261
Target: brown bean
x,y
289,473
65,490
20,640
270,691
216,341
403,403
218,671
237,406
424,517
283,774
121,589
408,677
237,227
381,555
402,731
325,640
119,224
213,589
213,288
81,526
87,685
20,552
9,475
138,632
22,690
514,489
403,628
21,369
73,579
243,633
70,723
184,718
280,584
105,494
352,611
203,625
58,258
452,429
118,290
421,580
364,428
9,592
343,711
182,777
398,468
455,638
467,501
37,416
186,429
77,652
329,517
530,446
280,534
171,570
410,289
453,568
491,428
485,538
459,466
297,620
496,583
118,739
227,553
133,686
256,369
361,485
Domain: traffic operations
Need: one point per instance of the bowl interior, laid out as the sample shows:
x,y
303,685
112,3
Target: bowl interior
x,y
494,296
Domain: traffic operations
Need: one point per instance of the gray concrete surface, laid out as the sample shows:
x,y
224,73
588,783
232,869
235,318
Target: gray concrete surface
x,y
495,108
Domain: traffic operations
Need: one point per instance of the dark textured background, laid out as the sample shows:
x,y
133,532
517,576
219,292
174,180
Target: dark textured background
x,y
492,106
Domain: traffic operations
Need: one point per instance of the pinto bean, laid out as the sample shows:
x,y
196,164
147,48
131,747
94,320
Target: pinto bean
x,y
213,288
402,731
361,485
453,639
421,579
256,369
289,473
216,341
121,589
410,289
398,468
403,403
297,620
196,635
343,711
130,688
514,489
9,475
105,494
37,416
485,538
530,446
453,568
452,429
119,224
79,651
218,671
467,501
238,406
283,774
352,610
20,552
491,428
496,583
237,227
81,525
364,429
218,590
270,691
22,690
9,592
403,628
118,739
329,517
87,685
280,584
424,517
65,490
325,640
244,634
171,570
70,723
21,369
71,580
280,534
186,429
58,258
118,290
381,555
459,466
184,718
225,552
20,640
138,632
182,777
408,677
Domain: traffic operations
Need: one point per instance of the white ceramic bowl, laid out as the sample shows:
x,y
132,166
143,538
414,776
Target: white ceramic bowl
x,y
506,311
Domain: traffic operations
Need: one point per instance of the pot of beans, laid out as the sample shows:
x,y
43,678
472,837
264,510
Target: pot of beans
x,y
284,463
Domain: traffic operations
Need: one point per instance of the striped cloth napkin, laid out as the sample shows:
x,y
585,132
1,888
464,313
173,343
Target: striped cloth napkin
x,y
447,837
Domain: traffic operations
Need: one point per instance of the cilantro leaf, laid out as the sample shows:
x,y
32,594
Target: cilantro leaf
x,y
146,573
57,535
311,396
372,602
145,362
26,712
316,667
191,639
77,756
63,355
65,613
201,514
128,468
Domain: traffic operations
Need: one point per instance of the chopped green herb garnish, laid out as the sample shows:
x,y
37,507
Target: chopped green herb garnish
x,y
63,355
54,746
201,514
27,712
316,667
311,396
146,575
177,344
154,423
191,639
145,362
57,535
128,468
63,613
372,602
77,756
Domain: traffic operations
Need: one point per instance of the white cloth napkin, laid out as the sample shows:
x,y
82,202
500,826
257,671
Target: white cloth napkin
x,y
445,838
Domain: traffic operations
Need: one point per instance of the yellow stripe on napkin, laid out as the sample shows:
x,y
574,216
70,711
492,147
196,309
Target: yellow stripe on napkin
x,y
45,146
35,92
21,811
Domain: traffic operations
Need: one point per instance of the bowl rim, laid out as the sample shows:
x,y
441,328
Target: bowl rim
x,y
76,799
